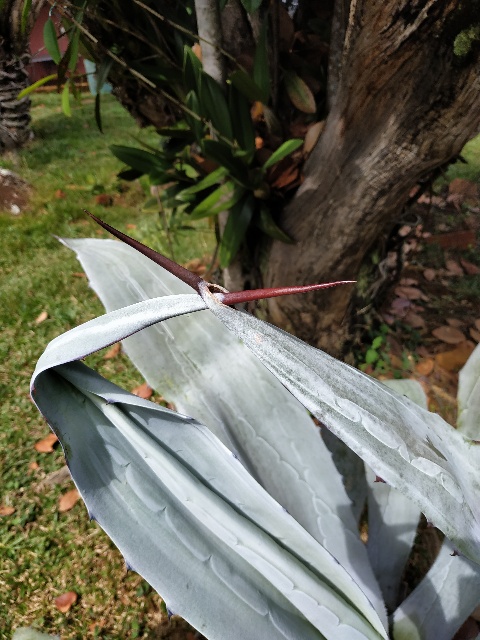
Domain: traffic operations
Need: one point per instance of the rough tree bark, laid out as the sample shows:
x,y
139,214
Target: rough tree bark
x,y
405,104
14,56
401,103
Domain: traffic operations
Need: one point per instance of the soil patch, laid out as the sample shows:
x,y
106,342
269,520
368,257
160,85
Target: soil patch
x,y
14,192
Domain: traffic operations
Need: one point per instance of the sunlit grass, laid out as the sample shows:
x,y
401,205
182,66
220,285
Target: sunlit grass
x,y
45,553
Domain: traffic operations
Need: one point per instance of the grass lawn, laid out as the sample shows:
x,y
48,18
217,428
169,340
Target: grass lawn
x,y
44,552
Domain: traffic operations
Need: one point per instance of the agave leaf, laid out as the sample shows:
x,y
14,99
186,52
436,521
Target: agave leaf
x,y
392,517
184,511
442,601
413,450
468,421
207,373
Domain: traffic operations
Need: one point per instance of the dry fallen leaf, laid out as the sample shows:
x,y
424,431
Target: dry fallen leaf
x,y
408,282
46,445
79,274
453,268
470,268
414,320
313,135
474,334
6,510
455,322
143,391
455,359
113,351
41,317
33,466
65,601
429,274
465,188
68,500
447,334
425,367
411,293
130,225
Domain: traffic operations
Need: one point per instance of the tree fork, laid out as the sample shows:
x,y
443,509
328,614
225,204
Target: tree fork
x,y
406,103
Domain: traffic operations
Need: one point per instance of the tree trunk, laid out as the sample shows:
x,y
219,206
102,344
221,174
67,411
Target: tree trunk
x,y
14,113
406,103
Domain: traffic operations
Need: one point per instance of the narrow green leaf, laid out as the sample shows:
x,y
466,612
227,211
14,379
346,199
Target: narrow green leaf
x,y
222,153
196,125
251,5
102,71
204,208
248,87
214,105
261,70
73,46
268,225
35,85
237,224
205,183
66,108
51,41
27,5
285,149
299,93
192,68
243,130
138,159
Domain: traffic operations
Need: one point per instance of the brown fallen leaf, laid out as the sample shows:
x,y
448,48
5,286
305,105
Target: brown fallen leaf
x,y
453,268
65,601
312,136
454,322
447,334
33,466
470,268
474,334
46,444
414,320
79,274
400,306
6,510
60,195
455,359
425,367
408,282
466,188
68,500
130,225
113,351
41,317
143,391
429,274
104,200
411,293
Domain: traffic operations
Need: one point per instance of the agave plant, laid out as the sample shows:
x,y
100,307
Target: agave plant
x,y
244,526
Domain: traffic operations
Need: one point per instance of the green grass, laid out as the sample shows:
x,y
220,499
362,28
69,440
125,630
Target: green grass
x,y
45,553
470,170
